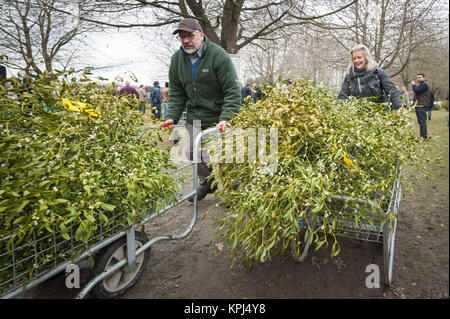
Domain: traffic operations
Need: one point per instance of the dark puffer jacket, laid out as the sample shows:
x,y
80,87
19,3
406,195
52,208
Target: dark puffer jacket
x,y
375,85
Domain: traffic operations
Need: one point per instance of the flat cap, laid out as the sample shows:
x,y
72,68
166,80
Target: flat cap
x,y
189,25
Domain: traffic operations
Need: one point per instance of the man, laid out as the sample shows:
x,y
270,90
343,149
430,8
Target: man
x,y
257,92
202,77
422,102
405,97
155,99
142,98
2,72
165,98
246,91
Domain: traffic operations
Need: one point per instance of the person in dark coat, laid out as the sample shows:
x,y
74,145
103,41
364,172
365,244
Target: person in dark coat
x,y
155,99
2,72
365,79
421,102
246,91
257,92
430,108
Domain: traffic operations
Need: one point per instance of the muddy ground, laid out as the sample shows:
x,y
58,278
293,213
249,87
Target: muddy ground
x,y
190,267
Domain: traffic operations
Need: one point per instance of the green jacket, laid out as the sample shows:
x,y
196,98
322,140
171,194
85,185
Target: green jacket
x,y
214,93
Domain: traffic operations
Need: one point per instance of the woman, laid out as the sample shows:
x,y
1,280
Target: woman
x,y
365,79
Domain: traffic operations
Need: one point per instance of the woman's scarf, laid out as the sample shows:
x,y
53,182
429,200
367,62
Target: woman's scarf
x,y
362,74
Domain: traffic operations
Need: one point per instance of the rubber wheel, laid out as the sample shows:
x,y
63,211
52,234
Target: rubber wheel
x,y
122,280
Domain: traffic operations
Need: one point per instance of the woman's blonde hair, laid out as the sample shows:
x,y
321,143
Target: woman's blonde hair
x,y
371,63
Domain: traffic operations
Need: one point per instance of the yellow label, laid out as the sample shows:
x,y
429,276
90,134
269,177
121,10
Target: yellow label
x,y
79,107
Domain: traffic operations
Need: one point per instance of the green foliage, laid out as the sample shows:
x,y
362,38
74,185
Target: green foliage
x,y
67,174
444,105
326,147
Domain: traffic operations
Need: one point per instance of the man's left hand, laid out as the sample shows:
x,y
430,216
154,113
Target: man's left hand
x,y
222,125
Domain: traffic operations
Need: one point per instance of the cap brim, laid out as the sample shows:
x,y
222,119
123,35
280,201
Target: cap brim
x,y
185,29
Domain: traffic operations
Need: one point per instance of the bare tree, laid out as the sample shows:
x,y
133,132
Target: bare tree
x,y
392,29
34,35
232,24
310,53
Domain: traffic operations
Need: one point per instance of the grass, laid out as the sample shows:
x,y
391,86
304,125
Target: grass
x,y
422,242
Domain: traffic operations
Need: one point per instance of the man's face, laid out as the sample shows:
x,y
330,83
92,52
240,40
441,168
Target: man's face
x,y
420,78
191,41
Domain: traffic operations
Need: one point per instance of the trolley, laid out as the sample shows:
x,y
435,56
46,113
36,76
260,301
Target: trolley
x,y
121,252
370,229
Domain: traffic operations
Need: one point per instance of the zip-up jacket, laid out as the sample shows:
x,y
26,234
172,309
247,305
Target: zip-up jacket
x,y
422,94
209,88
375,85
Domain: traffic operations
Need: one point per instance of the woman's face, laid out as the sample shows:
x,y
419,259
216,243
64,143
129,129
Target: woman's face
x,y
359,60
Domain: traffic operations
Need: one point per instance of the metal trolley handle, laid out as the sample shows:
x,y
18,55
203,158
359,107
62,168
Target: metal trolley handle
x,y
133,253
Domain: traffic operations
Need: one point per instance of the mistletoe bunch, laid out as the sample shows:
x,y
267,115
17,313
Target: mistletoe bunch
x,y
326,147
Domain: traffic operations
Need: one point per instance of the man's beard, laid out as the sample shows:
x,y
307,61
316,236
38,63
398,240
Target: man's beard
x,y
193,49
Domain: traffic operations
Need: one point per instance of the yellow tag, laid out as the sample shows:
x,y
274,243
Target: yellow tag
x,y
347,160
79,106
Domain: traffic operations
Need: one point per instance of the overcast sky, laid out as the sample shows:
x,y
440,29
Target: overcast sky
x,y
121,54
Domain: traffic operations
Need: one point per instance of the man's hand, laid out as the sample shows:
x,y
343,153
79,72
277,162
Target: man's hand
x,y
413,83
222,125
403,111
169,123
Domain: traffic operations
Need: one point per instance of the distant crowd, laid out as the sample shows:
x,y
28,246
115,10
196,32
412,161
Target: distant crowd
x,y
155,95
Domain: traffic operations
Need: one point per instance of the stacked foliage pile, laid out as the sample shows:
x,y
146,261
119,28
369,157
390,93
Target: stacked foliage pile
x,y
326,147
68,176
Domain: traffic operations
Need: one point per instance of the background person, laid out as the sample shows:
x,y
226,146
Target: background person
x,y
2,72
203,79
129,91
365,79
142,98
405,97
422,102
257,92
155,99
165,98
246,91
430,108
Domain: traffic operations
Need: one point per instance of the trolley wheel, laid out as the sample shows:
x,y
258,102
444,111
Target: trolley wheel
x,y
389,231
122,280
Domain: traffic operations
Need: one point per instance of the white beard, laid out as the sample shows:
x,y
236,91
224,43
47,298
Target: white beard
x,y
190,51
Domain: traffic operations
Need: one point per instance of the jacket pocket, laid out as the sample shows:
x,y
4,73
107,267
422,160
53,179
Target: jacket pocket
x,y
375,89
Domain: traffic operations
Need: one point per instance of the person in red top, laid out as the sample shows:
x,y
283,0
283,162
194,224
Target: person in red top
x,y
129,90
